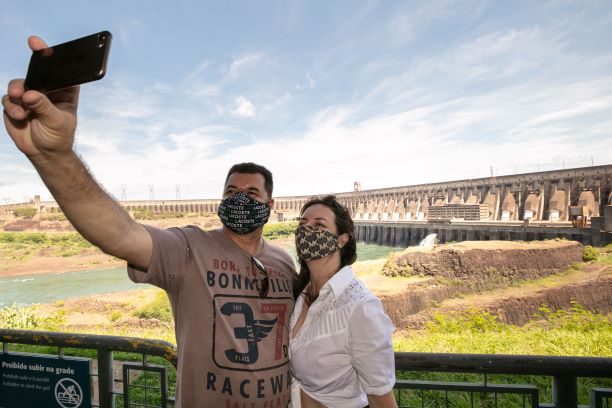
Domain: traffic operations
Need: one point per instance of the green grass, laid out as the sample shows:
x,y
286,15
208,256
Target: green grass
x,y
567,332
26,245
152,382
605,259
436,399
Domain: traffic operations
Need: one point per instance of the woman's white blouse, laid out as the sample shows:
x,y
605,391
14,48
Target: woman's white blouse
x,y
343,350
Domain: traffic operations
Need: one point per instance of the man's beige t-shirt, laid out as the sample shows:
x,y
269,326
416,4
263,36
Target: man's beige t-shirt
x,y
232,344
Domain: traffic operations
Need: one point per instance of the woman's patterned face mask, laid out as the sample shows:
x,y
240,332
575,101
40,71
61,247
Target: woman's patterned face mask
x,y
312,243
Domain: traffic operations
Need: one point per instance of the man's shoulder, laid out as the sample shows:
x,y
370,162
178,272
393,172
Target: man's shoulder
x,y
195,231
190,233
282,259
276,251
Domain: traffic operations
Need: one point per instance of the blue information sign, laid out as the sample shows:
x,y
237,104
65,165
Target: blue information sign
x,y
38,380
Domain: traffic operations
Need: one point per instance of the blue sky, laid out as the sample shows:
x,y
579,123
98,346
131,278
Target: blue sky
x,y
324,93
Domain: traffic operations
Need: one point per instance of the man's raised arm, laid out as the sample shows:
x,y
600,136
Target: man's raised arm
x,y
43,127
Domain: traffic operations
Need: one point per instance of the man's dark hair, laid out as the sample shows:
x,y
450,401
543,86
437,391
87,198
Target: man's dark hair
x,y
252,168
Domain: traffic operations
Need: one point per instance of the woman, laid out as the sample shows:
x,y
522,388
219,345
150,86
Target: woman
x,y
340,346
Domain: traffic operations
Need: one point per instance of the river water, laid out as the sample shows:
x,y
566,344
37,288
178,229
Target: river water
x,y
45,288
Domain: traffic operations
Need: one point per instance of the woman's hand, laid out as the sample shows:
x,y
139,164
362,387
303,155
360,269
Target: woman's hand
x,y
382,401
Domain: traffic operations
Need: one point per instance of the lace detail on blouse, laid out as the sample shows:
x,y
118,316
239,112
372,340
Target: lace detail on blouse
x,y
353,293
330,315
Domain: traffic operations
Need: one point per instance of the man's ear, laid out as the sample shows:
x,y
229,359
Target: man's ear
x,y
342,240
271,204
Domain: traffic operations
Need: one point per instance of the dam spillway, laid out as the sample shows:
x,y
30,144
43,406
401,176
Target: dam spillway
x,y
402,234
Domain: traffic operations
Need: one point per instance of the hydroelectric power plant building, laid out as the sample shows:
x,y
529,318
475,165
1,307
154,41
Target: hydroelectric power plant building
x,y
570,203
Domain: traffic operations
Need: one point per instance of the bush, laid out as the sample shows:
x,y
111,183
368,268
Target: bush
x,y
590,254
115,315
55,217
396,266
474,320
142,214
26,318
17,317
28,212
37,238
158,309
281,229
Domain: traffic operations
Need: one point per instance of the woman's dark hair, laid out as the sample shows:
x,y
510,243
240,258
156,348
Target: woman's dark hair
x,y
344,225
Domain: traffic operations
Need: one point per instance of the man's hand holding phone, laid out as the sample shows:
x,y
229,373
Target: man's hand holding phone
x,y
40,124
42,127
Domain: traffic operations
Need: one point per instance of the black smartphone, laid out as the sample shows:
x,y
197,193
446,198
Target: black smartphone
x,y
71,63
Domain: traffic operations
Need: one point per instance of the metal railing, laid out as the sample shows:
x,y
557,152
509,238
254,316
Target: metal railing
x,y
564,372
105,346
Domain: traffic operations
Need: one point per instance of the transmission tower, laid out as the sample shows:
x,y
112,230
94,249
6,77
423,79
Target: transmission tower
x,y
178,192
151,192
123,194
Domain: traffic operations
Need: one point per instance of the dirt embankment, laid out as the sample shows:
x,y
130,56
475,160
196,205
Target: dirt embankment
x,y
591,291
590,287
20,225
484,265
495,276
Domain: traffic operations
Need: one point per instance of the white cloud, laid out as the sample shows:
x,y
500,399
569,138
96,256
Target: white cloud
x,y
243,64
23,191
308,83
203,90
243,107
126,28
117,100
515,97
197,71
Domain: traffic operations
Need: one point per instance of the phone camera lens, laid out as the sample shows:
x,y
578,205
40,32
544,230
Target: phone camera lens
x,y
101,40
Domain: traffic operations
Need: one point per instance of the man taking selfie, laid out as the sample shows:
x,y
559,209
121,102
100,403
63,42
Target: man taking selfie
x,y
230,290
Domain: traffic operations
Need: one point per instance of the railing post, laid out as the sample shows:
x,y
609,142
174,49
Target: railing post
x,y
105,378
565,391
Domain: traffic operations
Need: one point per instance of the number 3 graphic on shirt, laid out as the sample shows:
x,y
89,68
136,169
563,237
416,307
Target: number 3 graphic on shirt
x,y
253,332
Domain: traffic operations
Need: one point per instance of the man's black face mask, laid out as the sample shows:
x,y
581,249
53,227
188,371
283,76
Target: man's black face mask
x,y
242,214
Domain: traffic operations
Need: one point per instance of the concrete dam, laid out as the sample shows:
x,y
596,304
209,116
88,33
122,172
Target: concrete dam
x,y
528,206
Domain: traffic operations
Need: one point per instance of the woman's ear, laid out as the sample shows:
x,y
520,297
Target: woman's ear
x,y
342,240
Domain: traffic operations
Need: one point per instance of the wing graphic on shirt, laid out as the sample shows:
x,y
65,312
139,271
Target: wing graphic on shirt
x,y
261,328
